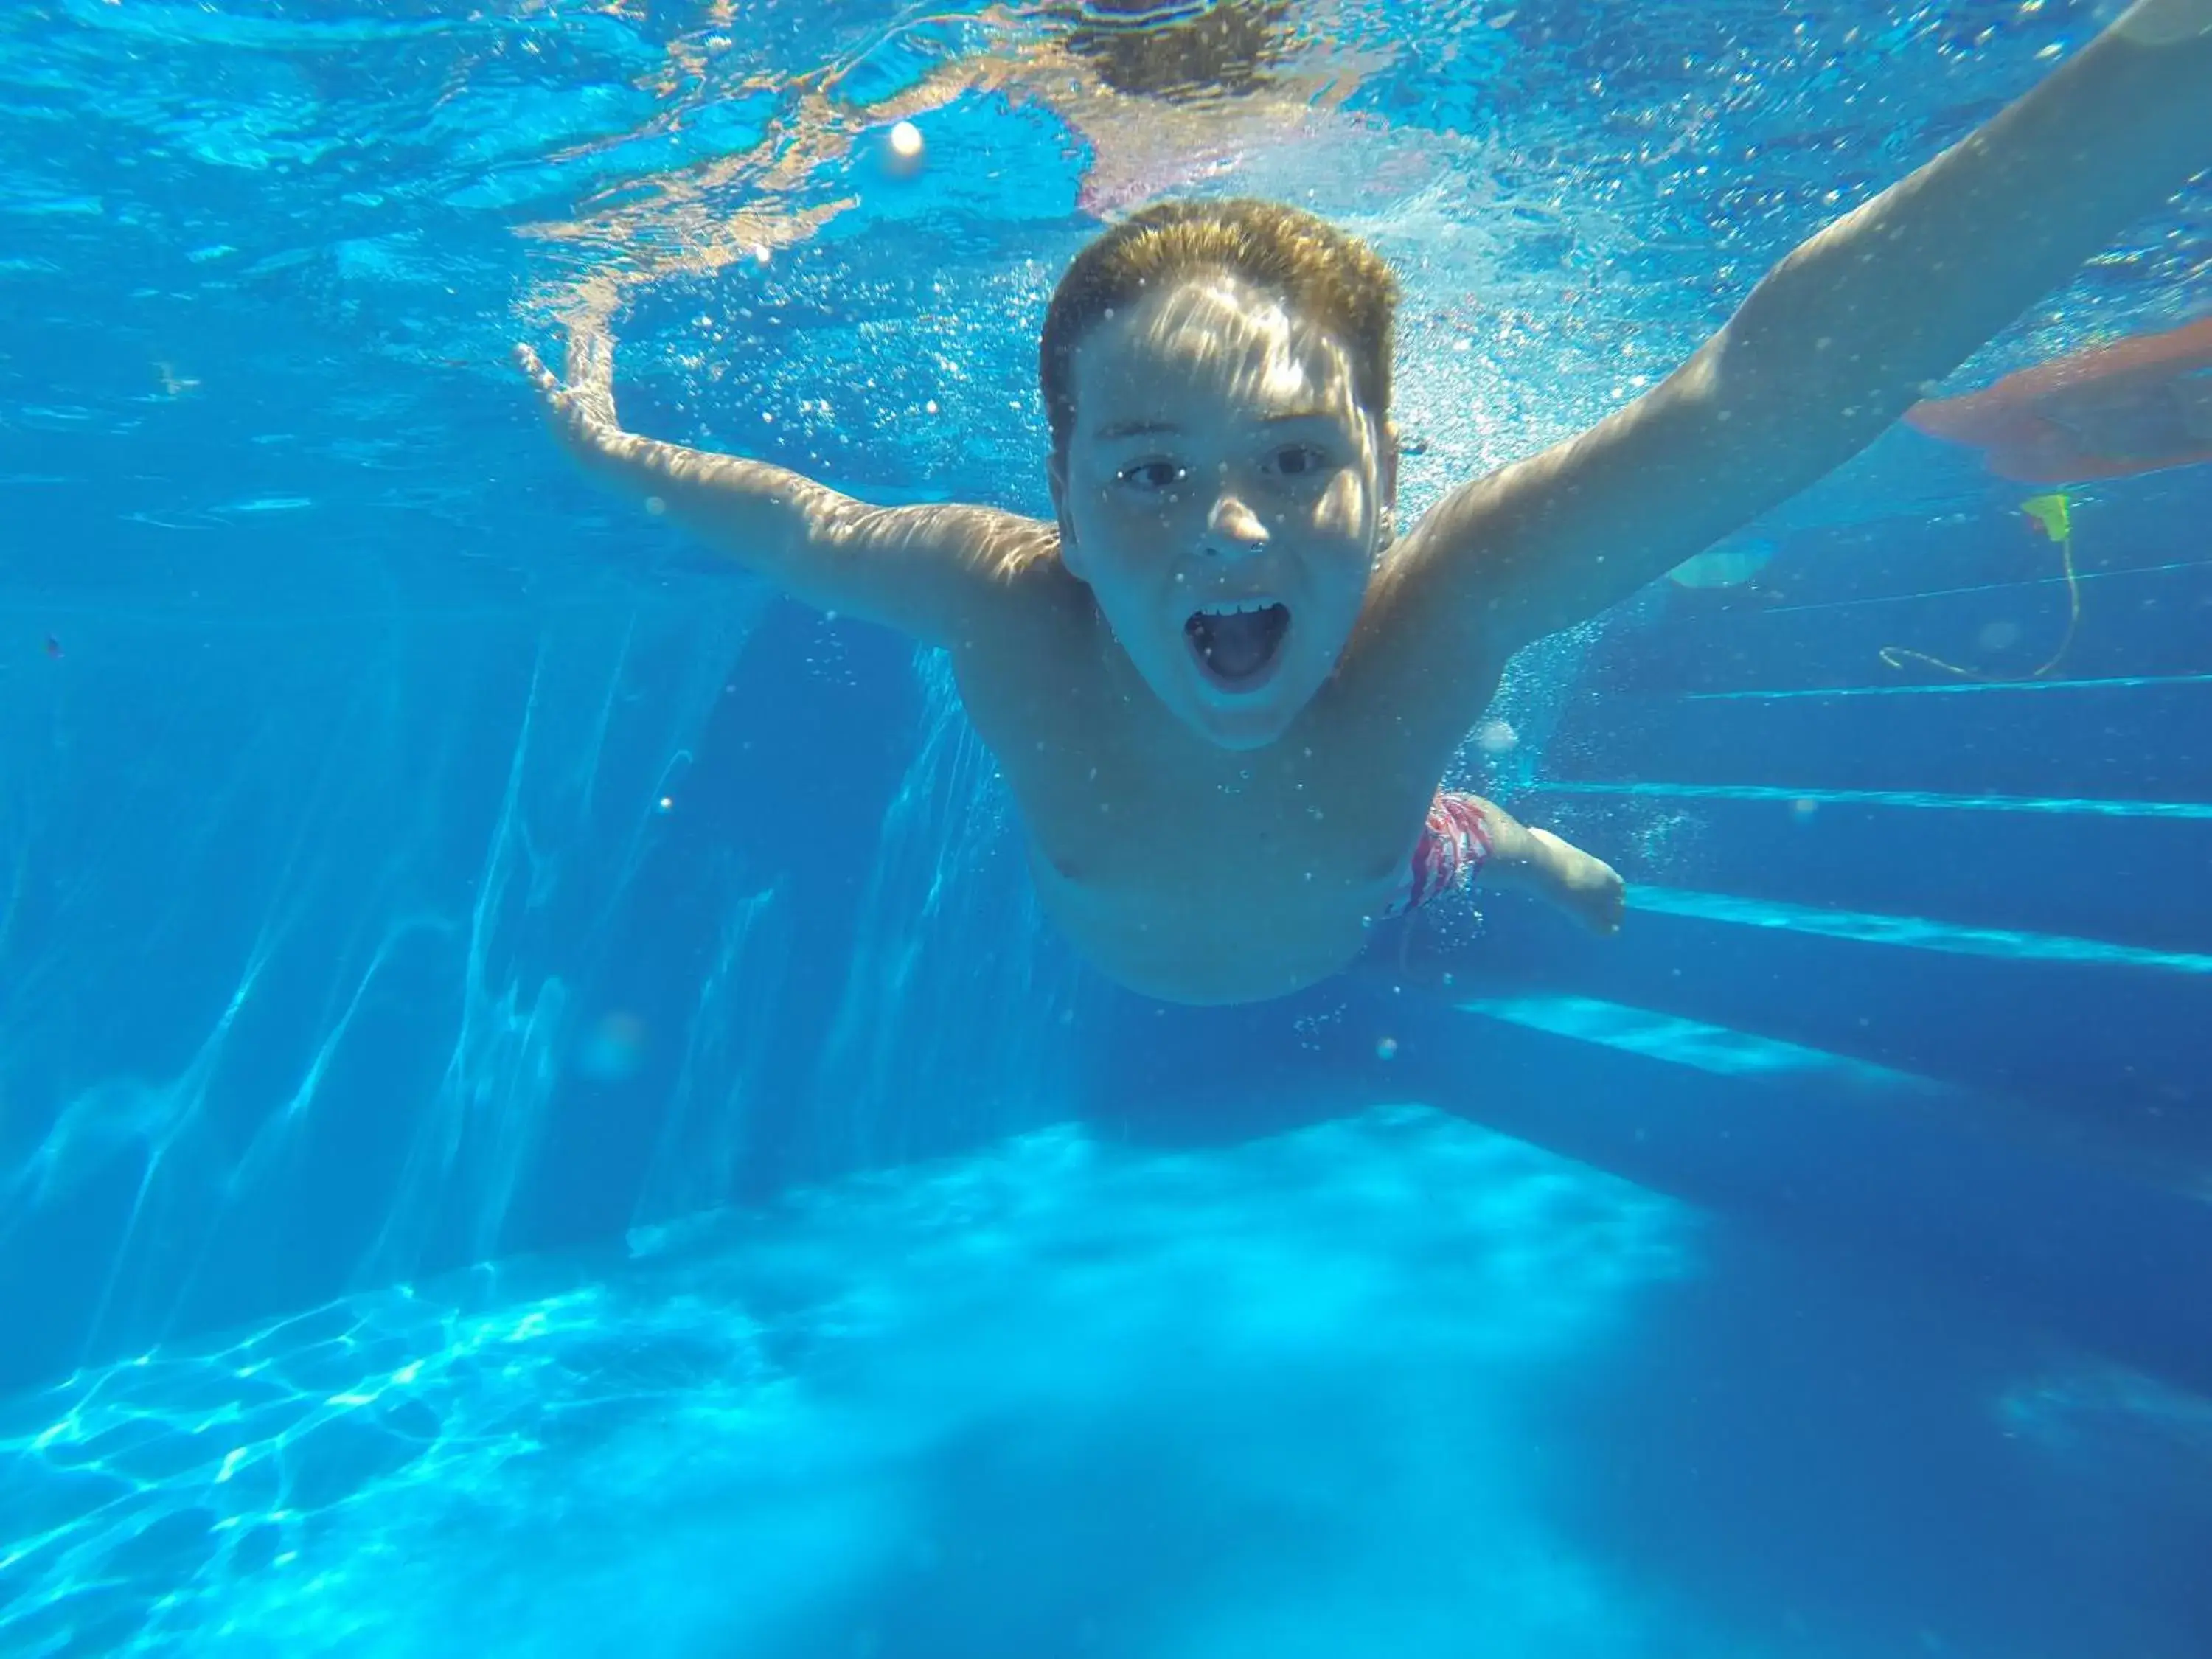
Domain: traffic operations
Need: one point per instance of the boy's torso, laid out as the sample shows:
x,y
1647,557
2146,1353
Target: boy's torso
x,y
1186,871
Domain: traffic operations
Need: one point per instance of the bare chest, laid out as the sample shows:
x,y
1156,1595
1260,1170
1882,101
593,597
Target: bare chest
x,y
1190,872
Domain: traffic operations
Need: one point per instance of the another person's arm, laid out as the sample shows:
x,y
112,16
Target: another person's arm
x,y
926,571
1829,348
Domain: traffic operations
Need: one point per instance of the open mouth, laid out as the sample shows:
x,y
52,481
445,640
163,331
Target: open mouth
x,y
1238,642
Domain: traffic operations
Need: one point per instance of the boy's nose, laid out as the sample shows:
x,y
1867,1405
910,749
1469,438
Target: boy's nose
x,y
1233,528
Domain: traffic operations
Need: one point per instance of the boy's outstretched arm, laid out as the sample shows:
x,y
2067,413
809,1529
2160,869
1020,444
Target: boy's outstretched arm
x,y
1830,348
932,572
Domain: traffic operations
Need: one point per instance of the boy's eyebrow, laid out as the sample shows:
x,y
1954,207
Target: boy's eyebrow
x,y
1137,428
1147,428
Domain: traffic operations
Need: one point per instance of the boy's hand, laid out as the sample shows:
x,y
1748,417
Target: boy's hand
x,y
582,412
928,571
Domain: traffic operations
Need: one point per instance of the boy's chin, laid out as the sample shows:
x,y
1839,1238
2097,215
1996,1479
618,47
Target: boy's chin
x,y
1236,728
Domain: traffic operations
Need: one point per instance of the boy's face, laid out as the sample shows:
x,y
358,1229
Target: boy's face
x,y
1223,495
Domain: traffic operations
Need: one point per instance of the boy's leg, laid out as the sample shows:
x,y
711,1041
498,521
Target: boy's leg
x,y
1537,862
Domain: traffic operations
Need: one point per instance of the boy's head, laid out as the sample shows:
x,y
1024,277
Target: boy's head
x,y
1217,375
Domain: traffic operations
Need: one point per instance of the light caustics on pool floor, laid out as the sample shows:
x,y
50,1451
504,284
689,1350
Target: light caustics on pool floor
x,y
762,1429
1290,1397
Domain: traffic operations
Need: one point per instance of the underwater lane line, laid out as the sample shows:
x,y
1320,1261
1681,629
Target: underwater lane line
x,y
1723,1050
2085,578
1918,799
1916,933
1951,687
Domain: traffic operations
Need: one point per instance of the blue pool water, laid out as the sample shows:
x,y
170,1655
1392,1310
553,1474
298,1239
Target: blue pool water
x,y
537,1112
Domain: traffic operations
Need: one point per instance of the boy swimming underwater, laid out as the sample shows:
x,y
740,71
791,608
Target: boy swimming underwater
x,y
1221,692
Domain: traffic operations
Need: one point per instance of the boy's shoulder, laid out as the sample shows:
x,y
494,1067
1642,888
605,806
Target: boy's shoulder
x,y
967,570
1014,550
1030,603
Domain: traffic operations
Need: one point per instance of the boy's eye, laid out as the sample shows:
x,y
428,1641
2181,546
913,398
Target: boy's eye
x,y
1299,461
1152,475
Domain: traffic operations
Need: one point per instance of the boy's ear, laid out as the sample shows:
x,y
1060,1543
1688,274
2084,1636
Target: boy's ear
x,y
1071,554
1386,479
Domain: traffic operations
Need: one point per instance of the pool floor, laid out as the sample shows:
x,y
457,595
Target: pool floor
x,y
1391,1384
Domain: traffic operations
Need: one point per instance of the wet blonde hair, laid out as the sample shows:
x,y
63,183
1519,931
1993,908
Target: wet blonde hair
x,y
1333,278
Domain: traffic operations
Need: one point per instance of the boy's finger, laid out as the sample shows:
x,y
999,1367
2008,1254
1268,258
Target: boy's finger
x,y
527,361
